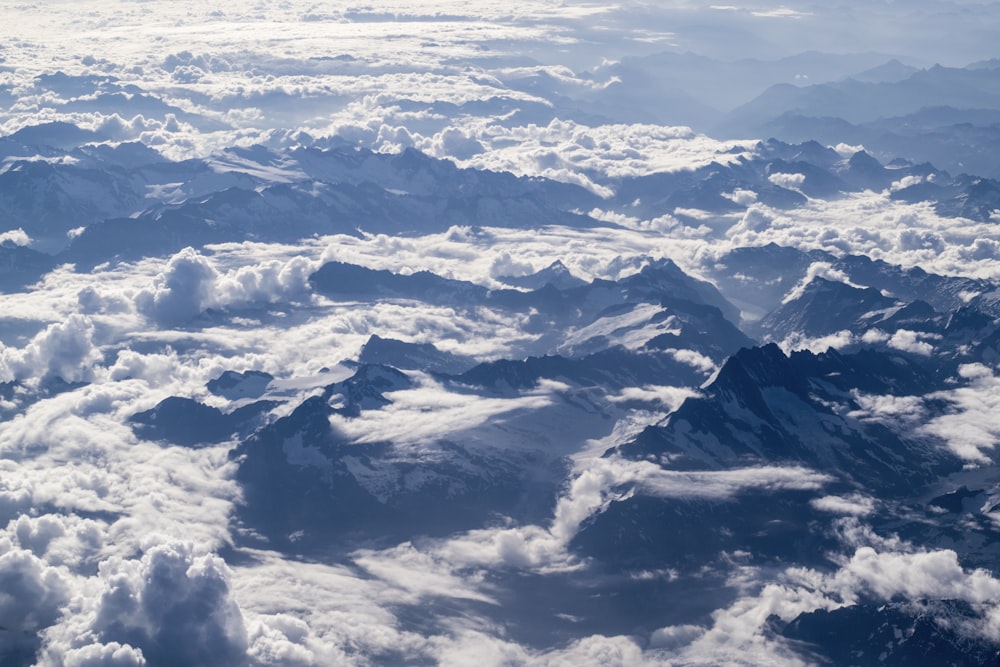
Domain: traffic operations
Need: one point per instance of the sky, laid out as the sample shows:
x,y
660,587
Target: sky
x,y
119,550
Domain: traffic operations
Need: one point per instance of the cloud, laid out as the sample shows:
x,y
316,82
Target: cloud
x,y
739,635
912,341
574,153
16,237
823,270
181,291
906,182
34,594
934,574
669,397
597,483
440,79
780,13
59,539
456,143
725,484
417,573
741,196
837,340
174,606
190,283
972,428
852,505
74,454
889,409
62,350
909,235
282,639
787,181
104,655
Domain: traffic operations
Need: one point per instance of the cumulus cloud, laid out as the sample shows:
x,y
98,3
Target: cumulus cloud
x,y
906,182
912,341
174,606
934,574
568,151
32,599
788,181
282,639
59,539
909,235
190,283
741,196
15,237
181,291
62,350
104,655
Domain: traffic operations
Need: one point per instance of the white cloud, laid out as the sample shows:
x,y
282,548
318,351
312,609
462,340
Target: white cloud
x,y
738,633
545,549
428,413
62,350
34,594
171,605
788,181
912,341
181,291
104,655
59,539
190,283
852,505
15,236
568,151
780,13
669,397
906,182
243,75
174,606
741,196
847,150
823,270
891,410
970,431
934,574
837,340
418,574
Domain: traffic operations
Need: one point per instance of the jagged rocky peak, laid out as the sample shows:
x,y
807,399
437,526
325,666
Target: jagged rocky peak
x,y
185,421
827,306
919,632
664,279
765,366
233,385
364,390
555,274
412,356
766,407
969,320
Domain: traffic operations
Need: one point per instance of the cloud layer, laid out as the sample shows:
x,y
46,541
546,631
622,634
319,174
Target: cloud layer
x,y
118,549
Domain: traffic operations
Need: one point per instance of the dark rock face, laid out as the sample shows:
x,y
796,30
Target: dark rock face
x,y
924,632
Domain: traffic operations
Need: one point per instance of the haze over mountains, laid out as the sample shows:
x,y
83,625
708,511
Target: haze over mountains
x,y
517,333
